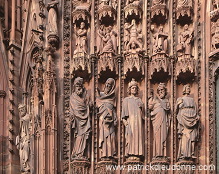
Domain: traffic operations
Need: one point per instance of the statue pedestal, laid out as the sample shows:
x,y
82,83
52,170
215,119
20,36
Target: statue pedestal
x,y
185,166
80,167
160,165
106,167
133,165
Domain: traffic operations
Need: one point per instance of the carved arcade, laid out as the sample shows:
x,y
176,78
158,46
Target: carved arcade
x,y
77,116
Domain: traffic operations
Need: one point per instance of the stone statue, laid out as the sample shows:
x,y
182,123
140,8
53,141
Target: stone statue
x,y
184,3
23,139
132,117
107,40
184,46
52,19
107,120
160,42
81,126
81,40
188,124
158,2
160,110
134,36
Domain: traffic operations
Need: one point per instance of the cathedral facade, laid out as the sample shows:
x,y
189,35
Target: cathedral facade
x,y
109,86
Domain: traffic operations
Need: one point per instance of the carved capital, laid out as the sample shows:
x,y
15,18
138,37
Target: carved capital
x,y
52,4
184,14
133,9
159,13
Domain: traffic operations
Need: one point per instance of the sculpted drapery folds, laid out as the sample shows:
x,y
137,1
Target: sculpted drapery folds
x,y
160,110
81,39
107,120
188,124
132,117
52,19
81,126
160,42
106,40
184,46
23,139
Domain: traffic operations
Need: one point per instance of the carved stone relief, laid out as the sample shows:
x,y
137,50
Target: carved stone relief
x,y
158,11
188,125
133,37
53,37
184,11
160,116
184,47
23,139
81,123
132,117
81,32
106,41
107,120
160,58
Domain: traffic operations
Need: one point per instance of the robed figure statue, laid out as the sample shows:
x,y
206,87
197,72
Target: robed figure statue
x,y
132,117
23,139
81,125
188,124
106,104
160,116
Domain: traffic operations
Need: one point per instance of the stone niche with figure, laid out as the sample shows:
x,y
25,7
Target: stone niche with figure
x,y
109,83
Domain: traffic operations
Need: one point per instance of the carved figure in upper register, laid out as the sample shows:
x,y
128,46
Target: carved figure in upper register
x,y
160,110
188,124
133,36
81,40
52,18
107,40
23,139
160,42
184,46
106,103
132,117
80,112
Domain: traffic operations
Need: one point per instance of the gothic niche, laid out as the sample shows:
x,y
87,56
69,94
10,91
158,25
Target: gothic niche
x,y
53,37
159,62
159,106
106,41
188,127
81,34
186,64
133,39
184,11
81,127
159,11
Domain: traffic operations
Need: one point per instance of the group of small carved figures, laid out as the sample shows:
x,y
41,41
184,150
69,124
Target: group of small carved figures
x,y
132,117
133,43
